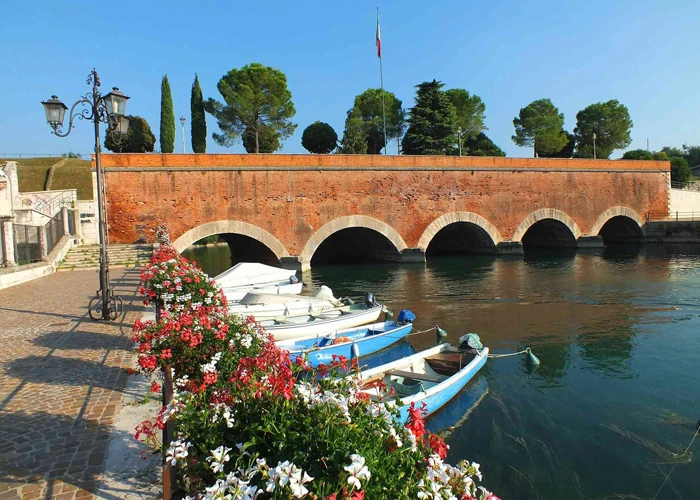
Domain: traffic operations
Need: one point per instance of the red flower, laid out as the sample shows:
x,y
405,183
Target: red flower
x,y
155,387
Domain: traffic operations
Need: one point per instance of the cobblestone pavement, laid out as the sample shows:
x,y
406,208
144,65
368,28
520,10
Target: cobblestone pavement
x,y
62,377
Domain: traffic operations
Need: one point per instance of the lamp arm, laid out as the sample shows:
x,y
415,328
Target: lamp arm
x,y
83,114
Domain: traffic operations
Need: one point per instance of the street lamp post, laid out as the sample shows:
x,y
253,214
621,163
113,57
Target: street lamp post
x,y
182,122
459,139
107,109
594,145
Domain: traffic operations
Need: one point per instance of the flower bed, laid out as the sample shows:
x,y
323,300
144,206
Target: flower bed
x,y
251,423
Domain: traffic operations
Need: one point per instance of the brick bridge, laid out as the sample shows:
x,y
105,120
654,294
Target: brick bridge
x,y
297,208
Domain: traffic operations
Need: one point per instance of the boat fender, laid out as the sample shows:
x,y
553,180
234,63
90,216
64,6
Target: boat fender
x,y
370,301
441,335
405,316
355,351
340,340
293,279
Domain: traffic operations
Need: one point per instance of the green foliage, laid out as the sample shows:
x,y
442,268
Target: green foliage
x,y
692,155
354,138
566,152
208,240
368,109
70,154
680,171
638,154
469,110
256,97
540,125
610,122
319,138
167,118
432,122
480,145
268,141
198,127
138,139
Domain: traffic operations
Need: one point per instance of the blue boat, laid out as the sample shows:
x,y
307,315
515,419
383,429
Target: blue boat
x,y
351,342
433,377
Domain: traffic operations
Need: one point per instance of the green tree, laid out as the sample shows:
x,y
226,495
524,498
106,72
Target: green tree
x,y
680,171
319,138
198,127
610,122
368,108
354,138
268,140
167,118
256,97
540,126
566,152
481,145
692,155
432,122
469,110
138,139
638,154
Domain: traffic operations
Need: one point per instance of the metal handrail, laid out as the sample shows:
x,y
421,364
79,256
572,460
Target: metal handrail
x,y
688,186
672,216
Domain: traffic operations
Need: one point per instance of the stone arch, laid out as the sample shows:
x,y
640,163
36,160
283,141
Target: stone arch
x,y
542,214
615,212
453,217
346,222
231,226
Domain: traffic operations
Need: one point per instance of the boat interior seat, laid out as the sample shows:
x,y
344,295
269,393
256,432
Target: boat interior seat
x,y
426,377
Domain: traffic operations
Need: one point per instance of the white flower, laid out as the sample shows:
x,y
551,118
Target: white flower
x,y
357,470
218,458
177,451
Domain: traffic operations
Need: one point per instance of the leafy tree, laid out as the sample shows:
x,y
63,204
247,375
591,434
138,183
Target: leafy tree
x,y
610,122
481,145
540,125
672,152
167,118
138,139
692,155
268,140
470,111
368,108
566,152
256,97
680,171
354,138
198,127
432,122
638,154
319,138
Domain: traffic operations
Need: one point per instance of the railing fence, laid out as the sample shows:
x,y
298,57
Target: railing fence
x,y
27,244
54,231
672,216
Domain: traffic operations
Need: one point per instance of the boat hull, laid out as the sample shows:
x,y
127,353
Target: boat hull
x,y
323,324
236,294
361,342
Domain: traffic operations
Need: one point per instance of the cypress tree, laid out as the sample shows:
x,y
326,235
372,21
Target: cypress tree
x,y
167,118
431,123
199,122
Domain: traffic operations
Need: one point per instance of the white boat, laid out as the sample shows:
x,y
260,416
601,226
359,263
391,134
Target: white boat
x,y
324,322
247,277
264,306
433,377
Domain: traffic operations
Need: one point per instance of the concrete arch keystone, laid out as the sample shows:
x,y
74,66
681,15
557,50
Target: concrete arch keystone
x,y
615,212
231,226
542,214
346,222
453,217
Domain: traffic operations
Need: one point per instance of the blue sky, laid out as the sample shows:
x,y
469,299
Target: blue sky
x,y
643,53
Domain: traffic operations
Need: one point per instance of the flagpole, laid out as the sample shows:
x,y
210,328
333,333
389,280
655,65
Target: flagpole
x,y
381,83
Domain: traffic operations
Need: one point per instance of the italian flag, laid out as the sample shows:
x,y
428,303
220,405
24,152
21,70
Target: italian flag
x,y
379,38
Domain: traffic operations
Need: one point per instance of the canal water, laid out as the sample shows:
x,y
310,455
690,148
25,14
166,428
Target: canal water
x,y
616,399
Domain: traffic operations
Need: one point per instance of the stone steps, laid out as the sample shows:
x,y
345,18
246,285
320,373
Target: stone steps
x,y
88,257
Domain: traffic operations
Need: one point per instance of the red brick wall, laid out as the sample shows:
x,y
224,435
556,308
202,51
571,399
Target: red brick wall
x,y
292,196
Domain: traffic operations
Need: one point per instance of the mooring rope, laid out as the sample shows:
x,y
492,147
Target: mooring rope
x,y
676,465
509,354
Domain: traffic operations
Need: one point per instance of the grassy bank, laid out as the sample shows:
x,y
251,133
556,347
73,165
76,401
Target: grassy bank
x,y
32,174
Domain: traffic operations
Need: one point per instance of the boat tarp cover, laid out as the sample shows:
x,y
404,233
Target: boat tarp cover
x,y
252,273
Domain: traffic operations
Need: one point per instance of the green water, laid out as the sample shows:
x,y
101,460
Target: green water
x,y
616,398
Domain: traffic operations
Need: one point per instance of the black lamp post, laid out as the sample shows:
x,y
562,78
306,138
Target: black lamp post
x,y
107,109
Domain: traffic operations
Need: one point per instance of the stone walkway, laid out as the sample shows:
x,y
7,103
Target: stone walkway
x,y
62,378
